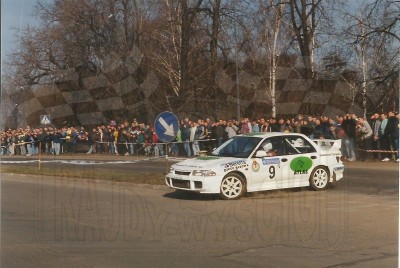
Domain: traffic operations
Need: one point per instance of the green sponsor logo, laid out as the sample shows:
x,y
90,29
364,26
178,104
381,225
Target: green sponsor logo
x,y
300,165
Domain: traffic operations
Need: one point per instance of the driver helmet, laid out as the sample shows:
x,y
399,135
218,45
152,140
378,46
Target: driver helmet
x,y
298,143
267,147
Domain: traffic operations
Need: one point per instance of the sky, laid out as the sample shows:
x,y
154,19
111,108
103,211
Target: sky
x,y
19,13
15,13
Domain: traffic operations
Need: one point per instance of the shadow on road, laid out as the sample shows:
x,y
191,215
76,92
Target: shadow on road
x,y
186,195
194,196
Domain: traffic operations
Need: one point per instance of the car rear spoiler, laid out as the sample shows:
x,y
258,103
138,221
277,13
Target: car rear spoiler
x,y
329,146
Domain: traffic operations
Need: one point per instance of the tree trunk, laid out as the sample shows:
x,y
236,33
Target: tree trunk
x,y
274,54
214,36
304,24
188,15
185,39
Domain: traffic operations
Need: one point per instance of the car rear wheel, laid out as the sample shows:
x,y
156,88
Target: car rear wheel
x,y
232,186
319,178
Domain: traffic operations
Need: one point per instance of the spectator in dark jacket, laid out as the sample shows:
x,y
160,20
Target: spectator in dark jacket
x,y
318,130
185,132
57,142
392,132
274,125
220,132
349,127
305,128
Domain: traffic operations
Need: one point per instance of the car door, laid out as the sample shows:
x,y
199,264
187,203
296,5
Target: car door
x,y
298,160
266,171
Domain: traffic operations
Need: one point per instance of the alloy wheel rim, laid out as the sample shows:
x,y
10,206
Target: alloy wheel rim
x,y
320,178
231,187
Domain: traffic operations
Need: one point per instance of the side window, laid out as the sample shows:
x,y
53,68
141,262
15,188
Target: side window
x,y
276,144
298,145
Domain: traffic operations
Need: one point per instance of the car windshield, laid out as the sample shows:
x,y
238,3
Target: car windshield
x,y
238,146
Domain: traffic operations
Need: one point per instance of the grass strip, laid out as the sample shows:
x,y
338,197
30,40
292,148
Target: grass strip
x,y
152,178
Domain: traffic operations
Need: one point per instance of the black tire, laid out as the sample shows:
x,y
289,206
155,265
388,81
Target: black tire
x,y
232,187
319,178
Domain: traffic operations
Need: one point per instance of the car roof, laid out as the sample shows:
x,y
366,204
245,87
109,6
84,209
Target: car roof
x,y
271,134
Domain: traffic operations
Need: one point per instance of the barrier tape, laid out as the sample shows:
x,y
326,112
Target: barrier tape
x,y
376,151
19,144
176,142
115,143
154,142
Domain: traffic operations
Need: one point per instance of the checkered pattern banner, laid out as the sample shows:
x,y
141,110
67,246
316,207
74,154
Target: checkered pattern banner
x,y
91,100
114,90
328,96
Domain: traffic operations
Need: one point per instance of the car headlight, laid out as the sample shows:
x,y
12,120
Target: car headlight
x,y
171,170
203,173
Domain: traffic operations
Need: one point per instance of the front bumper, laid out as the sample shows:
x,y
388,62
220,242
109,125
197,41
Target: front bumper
x,y
201,184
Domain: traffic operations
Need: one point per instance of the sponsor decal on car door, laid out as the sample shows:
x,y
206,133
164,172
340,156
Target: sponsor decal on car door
x,y
265,173
299,161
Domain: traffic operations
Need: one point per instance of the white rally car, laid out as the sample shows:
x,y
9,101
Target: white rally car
x,y
259,162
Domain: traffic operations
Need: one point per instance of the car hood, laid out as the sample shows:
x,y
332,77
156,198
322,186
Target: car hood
x,y
206,162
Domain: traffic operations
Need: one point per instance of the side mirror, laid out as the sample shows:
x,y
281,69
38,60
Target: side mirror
x,y
261,154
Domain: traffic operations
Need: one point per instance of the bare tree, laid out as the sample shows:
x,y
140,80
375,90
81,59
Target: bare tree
x,y
303,15
390,24
369,34
89,37
202,50
166,57
274,48
187,17
271,38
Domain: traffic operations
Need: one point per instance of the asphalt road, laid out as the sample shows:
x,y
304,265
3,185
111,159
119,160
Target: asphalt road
x,y
53,222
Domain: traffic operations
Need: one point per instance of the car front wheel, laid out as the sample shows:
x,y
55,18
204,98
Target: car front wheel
x,y
232,186
319,178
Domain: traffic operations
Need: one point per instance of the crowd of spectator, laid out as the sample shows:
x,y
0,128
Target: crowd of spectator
x,y
374,138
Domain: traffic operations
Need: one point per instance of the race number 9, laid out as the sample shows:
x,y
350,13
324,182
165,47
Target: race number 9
x,y
271,172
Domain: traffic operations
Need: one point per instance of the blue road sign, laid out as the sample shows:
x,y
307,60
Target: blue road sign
x,y
166,126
